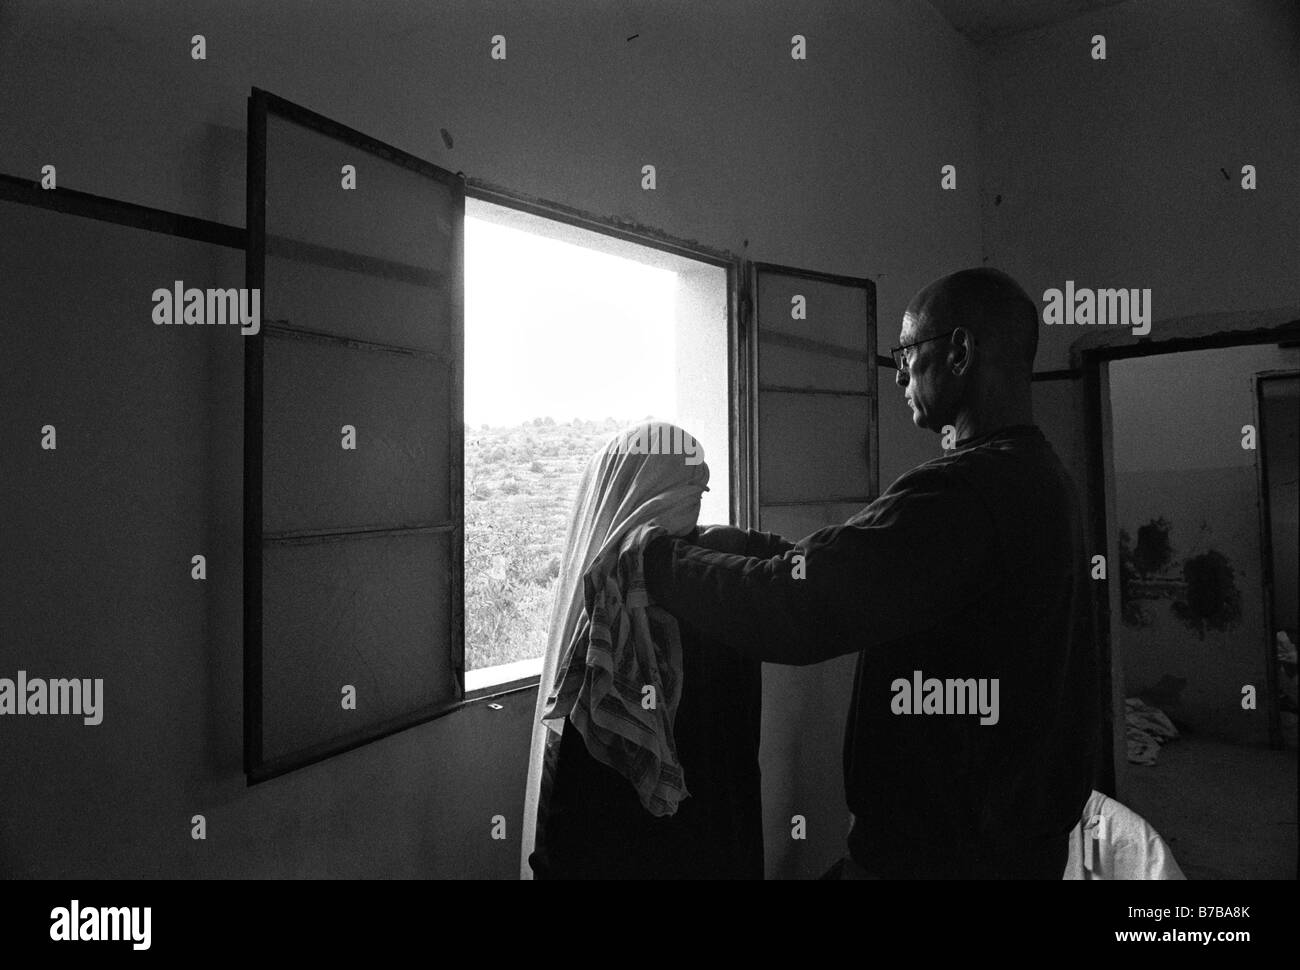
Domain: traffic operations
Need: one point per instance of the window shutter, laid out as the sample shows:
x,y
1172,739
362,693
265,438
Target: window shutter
x,y
353,556
814,435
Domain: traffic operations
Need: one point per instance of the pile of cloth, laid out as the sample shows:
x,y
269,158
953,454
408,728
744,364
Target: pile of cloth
x,y
1146,728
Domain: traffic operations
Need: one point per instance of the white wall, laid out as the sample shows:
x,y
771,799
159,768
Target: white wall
x,y
830,164
1108,172
700,332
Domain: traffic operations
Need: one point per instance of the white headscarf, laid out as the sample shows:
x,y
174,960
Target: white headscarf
x,y
634,482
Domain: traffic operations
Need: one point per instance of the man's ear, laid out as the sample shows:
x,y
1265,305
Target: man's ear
x,y
961,351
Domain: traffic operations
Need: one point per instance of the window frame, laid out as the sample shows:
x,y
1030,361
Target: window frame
x,y
737,376
260,103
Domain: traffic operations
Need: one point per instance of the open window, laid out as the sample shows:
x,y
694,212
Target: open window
x,y
570,335
395,428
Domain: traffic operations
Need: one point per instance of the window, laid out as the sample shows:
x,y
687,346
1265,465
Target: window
x,y
570,335
431,376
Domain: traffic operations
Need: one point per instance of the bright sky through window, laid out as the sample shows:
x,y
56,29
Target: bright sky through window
x,y
556,330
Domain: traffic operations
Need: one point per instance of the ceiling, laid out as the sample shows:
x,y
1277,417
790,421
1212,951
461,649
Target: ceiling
x,y
980,21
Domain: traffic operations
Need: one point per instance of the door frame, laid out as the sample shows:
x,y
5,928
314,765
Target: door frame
x,y
1273,709
1094,366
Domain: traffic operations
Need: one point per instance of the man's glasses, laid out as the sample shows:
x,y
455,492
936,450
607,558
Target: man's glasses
x,y
900,359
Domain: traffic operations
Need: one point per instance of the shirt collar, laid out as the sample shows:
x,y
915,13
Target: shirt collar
x,y
1009,431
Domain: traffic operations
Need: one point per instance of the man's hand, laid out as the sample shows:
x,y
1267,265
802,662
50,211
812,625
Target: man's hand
x,y
739,542
722,538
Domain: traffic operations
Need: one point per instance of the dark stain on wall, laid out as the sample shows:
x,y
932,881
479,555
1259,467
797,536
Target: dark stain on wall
x,y
1205,594
1212,600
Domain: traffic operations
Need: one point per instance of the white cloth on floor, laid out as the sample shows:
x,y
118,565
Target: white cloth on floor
x,y
1146,728
1112,841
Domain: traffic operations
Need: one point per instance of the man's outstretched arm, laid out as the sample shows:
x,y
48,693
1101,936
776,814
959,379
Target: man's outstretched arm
x,y
740,542
926,549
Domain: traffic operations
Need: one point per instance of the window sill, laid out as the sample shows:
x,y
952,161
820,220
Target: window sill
x,y
502,679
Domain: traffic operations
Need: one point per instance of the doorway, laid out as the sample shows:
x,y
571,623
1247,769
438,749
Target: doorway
x,y
1192,629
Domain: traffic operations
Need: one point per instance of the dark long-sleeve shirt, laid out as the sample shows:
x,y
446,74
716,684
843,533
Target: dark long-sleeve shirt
x,y
969,566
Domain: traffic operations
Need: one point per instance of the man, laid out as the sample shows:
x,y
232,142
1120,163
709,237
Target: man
x,y
970,570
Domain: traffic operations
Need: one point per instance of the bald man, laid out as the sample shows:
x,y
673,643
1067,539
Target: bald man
x,y
964,591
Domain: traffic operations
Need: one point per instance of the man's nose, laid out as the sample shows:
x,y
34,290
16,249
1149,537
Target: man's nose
x,y
901,378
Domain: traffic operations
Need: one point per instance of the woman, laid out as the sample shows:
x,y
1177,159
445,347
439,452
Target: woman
x,y
645,745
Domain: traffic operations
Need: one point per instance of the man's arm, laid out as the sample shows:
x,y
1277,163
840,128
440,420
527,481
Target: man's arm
x,y
926,549
740,542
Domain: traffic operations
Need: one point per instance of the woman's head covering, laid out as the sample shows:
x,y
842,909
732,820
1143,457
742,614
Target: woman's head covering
x,y
605,640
